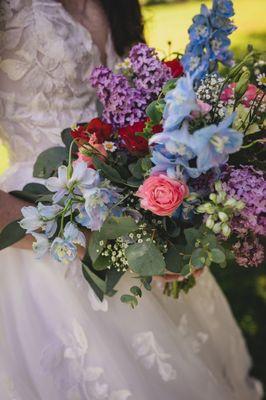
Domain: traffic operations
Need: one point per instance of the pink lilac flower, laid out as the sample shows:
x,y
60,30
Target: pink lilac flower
x,y
249,185
249,253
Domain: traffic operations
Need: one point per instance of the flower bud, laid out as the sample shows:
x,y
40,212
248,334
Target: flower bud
x,y
223,216
226,230
230,203
217,227
221,197
213,197
218,186
210,222
240,205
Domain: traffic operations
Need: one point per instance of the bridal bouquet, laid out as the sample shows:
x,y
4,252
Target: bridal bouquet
x,y
168,179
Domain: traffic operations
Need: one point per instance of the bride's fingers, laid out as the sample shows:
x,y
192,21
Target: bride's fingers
x,y
171,277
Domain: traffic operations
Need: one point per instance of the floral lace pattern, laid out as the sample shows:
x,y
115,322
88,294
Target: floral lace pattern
x,y
151,354
46,59
67,360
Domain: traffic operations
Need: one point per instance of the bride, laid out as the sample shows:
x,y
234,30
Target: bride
x,y
57,341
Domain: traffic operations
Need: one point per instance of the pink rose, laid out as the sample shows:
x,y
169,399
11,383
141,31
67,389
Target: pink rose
x,y
85,151
162,195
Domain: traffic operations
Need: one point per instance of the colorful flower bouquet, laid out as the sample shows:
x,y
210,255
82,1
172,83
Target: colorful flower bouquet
x,y
168,179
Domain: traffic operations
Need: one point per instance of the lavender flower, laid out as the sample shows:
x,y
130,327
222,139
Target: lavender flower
x,y
125,102
249,185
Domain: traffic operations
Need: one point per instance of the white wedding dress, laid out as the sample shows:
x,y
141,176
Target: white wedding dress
x,y
57,341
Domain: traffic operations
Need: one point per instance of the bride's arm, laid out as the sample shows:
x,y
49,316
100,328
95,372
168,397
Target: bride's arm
x,y
10,210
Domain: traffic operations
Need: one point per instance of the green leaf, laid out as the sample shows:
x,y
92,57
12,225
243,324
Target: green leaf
x,y
146,164
198,258
191,235
171,84
136,169
218,256
97,284
95,248
11,234
67,139
112,278
102,263
115,227
145,259
109,172
31,192
173,259
146,282
48,162
171,227
130,300
185,270
154,111
136,291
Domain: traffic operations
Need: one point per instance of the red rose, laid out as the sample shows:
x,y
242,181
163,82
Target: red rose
x,y
176,67
97,127
133,142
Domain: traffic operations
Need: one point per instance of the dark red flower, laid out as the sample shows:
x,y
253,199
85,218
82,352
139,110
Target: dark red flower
x,y
176,67
97,127
135,143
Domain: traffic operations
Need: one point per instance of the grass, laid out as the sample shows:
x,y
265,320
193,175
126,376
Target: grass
x,y
245,289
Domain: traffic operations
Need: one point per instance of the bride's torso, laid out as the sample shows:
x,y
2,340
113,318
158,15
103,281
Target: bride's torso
x,y
46,58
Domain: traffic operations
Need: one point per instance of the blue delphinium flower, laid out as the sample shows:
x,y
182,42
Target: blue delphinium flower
x,y
40,217
213,144
81,178
64,249
98,202
209,40
180,102
41,245
174,150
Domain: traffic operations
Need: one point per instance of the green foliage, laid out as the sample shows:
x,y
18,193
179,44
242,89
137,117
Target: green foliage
x,y
155,111
49,161
115,227
11,234
145,259
33,192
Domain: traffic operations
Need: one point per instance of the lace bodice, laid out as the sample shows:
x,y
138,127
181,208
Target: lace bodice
x,y
46,58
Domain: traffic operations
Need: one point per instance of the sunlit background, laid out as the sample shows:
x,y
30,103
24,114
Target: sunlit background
x,y
169,21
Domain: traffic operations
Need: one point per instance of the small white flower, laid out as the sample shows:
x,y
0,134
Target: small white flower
x,y
261,79
109,146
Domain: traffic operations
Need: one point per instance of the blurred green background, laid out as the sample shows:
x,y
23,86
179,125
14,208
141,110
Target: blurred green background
x,y
245,288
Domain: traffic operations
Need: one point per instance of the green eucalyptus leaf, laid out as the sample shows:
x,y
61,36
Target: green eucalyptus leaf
x,y
112,278
97,284
198,258
171,84
115,227
191,235
218,256
136,291
49,161
102,263
145,259
130,300
11,234
136,169
32,192
171,227
67,139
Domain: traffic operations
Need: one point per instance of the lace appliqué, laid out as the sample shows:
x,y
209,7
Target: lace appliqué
x,y
151,355
196,341
67,360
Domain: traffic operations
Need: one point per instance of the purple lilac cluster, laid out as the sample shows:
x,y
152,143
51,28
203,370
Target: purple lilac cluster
x,y
150,73
249,185
125,102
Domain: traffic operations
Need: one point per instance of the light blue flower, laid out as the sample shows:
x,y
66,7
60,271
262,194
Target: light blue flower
x,y
41,246
180,102
63,250
81,179
214,143
73,234
40,217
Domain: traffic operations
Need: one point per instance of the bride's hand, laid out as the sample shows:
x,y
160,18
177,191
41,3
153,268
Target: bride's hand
x,y
172,277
